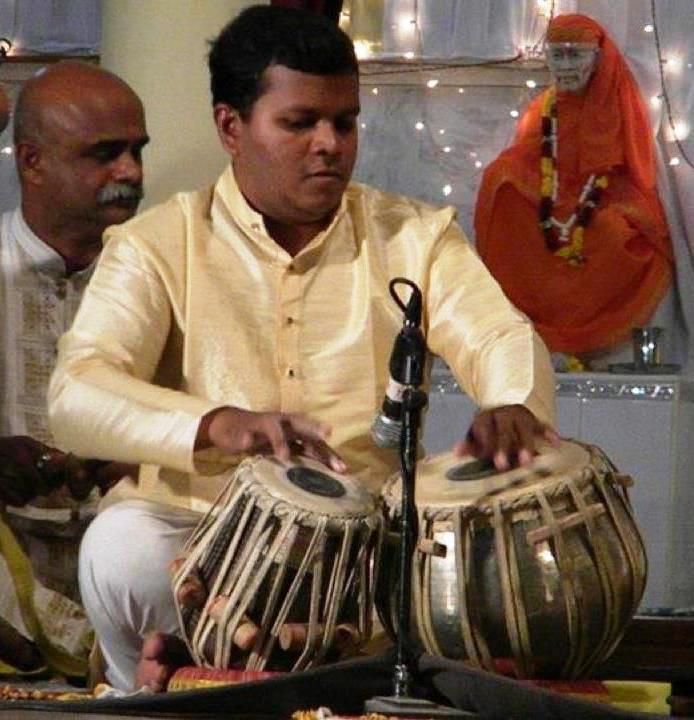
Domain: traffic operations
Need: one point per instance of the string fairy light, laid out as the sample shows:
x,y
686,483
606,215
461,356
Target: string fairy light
x,y
408,32
664,94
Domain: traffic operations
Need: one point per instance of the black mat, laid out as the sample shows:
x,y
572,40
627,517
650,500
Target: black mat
x,y
343,687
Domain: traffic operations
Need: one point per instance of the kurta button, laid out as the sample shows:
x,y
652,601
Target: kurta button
x,y
290,373
290,320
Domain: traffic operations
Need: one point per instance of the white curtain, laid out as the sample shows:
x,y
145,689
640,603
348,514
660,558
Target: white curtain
x,y
475,115
68,27
36,28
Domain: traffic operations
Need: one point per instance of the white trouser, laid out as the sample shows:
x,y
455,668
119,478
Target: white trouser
x,y
125,582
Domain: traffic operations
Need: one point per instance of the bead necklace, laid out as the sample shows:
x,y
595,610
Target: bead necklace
x,y
564,239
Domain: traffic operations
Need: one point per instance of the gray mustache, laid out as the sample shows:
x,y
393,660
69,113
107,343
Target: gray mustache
x,y
118,191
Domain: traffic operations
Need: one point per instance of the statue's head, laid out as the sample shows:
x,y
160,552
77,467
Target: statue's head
x,y
572,51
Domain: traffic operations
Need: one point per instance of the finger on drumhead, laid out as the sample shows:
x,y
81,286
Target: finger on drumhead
x,y
505,443
501,461
325,454
525,457
338,464
526,442
281,449
318,450
551,436
461,448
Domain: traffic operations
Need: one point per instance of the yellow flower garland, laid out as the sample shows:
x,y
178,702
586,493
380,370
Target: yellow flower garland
x,y
568,242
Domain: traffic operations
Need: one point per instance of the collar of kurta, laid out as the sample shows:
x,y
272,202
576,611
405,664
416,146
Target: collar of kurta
x,y
229,202
44,258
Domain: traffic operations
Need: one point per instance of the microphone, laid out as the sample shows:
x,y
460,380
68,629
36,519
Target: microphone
x,y
406,368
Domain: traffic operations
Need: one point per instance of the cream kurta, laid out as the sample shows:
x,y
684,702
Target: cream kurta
x,y
194,296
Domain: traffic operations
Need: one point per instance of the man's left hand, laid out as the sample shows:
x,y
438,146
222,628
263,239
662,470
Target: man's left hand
x,y
507,436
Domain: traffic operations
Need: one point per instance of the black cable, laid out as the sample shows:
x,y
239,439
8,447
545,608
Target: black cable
x,y
663,88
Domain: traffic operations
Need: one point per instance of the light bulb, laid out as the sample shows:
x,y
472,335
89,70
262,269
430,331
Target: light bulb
x,y
681,130
478,163
674,161
362,49
544,7
419,125
409,55
374,91
674,64
648,28
514,113
447,190
447,149
432,83
530,83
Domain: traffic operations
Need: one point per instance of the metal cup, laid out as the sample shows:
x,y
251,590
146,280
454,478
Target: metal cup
x,y
646,345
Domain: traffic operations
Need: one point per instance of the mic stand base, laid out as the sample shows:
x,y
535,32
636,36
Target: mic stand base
x,y
409,707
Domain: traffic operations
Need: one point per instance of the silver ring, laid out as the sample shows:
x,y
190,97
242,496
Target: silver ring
x,y
43,461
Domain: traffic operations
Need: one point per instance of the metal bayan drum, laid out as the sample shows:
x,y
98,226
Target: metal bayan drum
x,y
535,571
278,574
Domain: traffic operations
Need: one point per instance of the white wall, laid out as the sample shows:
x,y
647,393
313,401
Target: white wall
x,y
160,48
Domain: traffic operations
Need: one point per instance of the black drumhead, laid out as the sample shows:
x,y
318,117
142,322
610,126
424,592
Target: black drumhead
x,y
315,482
474,470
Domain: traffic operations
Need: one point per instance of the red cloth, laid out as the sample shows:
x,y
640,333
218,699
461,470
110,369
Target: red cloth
x,y
628,254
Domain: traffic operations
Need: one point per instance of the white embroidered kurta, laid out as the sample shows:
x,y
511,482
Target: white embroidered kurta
x,y
196,296
38,305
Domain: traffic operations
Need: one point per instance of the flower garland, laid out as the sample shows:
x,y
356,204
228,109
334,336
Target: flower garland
x,y
564,239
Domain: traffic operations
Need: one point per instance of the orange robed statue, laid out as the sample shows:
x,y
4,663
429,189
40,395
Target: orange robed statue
x,y
568,218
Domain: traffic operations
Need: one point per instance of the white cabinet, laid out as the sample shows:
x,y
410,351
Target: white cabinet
x,y
645,424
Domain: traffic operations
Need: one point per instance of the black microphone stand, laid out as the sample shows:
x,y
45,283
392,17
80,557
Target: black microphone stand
x,y
414,400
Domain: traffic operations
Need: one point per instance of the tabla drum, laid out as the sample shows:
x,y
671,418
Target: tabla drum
x,y
533,572
279,574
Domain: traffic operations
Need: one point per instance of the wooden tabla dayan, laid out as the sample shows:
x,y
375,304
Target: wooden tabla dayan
x,y
279,574
535,571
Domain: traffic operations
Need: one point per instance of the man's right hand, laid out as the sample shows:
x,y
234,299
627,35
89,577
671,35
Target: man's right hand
x,y
29,469
21,478
234,431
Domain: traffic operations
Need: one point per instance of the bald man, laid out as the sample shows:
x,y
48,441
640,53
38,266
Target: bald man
x,y
79,132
